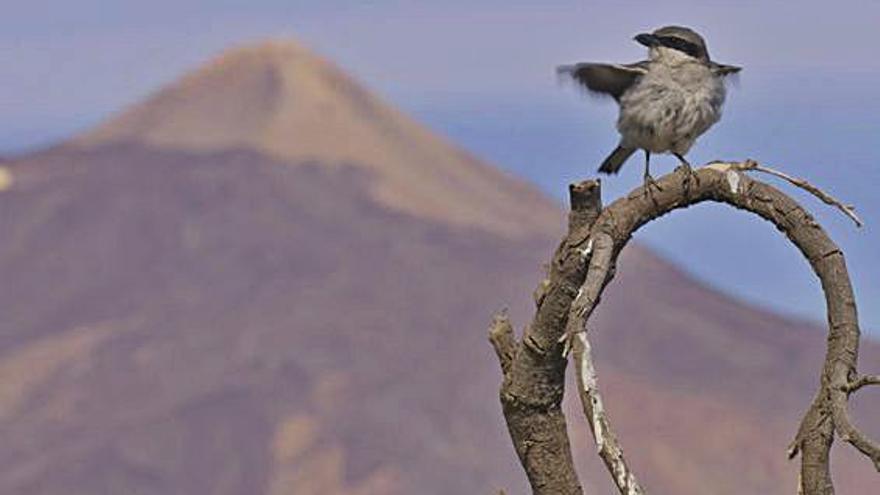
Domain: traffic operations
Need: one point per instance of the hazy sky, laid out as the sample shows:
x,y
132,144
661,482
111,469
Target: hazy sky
x,y
482,73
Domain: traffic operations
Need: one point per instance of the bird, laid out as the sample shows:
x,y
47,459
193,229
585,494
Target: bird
x,y
666,102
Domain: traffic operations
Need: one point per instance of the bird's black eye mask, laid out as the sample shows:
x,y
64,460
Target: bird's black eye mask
x,y
679,44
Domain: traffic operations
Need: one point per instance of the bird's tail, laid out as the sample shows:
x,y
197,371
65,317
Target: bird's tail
x,y
615,160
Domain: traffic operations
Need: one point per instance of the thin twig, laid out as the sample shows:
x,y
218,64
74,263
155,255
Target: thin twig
x,y
849,433
862,381
848,210
591,400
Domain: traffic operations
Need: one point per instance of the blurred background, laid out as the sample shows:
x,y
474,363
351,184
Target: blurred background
x,y
482,73
252,248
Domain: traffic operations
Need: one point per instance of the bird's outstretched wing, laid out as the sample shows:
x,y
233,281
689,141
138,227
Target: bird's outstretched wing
x,y
604,79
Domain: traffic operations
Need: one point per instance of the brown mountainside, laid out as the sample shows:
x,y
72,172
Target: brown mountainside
x,y
262,280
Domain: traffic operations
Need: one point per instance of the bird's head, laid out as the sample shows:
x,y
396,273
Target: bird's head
x,y
675,44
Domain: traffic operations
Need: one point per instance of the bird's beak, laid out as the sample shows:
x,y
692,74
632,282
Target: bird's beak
x,y
648,40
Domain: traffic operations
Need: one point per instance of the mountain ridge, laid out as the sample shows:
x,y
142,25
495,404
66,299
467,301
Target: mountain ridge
x,y
282,100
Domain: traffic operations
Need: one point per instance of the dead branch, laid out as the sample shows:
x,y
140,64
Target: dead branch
x,y
584,265
848,210
594,409
726,183
532,389
849,433
862,381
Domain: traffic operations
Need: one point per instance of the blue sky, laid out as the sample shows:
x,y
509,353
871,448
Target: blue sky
x,y
481,72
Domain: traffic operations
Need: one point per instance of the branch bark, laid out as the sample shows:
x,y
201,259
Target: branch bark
x,y
600,425
862,381
534,374
848,210
728,184
586,259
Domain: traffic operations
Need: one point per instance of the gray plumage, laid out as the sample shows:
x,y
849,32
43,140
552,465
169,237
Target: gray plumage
x,y
666,102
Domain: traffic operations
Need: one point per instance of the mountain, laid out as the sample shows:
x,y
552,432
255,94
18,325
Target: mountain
x,y
264,280
289,104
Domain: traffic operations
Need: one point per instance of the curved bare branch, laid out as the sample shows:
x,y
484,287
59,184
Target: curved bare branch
x,y
584,264
726,183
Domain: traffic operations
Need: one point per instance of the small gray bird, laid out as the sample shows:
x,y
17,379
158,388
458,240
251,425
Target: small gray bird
x,y
666,102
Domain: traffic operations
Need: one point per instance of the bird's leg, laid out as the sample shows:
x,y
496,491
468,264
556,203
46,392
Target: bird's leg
x,y
683,161
649,181
687,166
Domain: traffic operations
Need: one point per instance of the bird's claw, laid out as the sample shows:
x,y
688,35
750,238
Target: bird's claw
x,y
691,173
651,182
692,176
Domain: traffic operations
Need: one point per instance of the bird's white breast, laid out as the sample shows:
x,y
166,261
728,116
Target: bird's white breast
x,y
670,106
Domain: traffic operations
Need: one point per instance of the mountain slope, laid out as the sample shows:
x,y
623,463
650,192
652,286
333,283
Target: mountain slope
x,y
230,319
281,100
